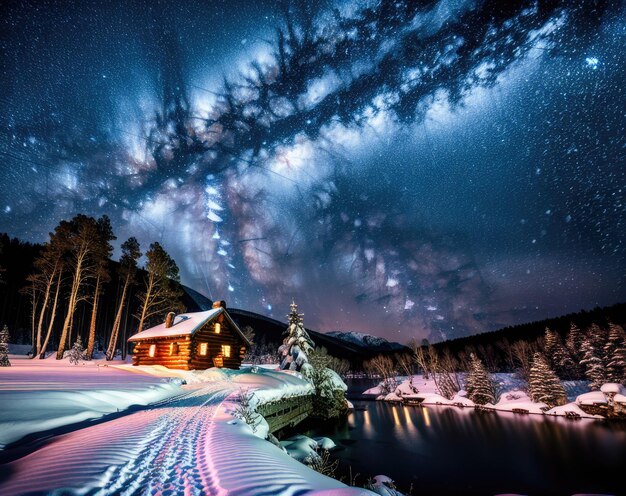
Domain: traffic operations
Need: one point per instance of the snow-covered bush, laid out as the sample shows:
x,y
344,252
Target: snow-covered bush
x,y
244,409
383,485
77,353
329,400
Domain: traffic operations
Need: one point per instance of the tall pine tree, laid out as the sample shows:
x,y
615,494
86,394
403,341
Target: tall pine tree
x,y
544,385
592,361
615,354
559,356
297,345
574,341
478,384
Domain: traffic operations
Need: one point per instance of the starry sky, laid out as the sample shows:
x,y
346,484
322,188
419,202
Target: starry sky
x,y
407,169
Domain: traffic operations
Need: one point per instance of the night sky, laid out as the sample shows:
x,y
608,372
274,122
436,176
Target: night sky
x,y
428,169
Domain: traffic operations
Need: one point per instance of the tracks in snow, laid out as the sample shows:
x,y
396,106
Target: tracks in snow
x,y
160,450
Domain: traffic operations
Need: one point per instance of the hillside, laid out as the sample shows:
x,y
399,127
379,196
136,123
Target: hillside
x,y
366,340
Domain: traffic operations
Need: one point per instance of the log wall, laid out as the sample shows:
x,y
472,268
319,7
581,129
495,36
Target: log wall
x,y
188,356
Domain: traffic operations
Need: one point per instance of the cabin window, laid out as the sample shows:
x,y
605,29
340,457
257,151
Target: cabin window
x,y
226,350
152,350
173,349
218,328
204,348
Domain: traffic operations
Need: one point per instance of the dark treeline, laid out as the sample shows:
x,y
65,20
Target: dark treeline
x,y
494,346
41,283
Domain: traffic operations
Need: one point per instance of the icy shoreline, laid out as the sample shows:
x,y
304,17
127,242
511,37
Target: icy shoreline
x,y
512,400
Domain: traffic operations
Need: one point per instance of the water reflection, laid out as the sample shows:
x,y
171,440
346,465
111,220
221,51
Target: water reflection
x,y
444,450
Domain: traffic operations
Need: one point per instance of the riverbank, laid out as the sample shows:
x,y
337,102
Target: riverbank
x,y
583,404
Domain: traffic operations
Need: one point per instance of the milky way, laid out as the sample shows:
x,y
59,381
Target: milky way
x,y
428,169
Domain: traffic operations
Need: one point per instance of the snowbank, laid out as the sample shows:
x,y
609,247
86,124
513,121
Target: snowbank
x,y
512,400
264,465
38,395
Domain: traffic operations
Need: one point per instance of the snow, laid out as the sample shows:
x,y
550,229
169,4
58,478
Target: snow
x,y
571,409
302,448
512,398
384,486
38,395
184,324
594,397
518,400
612,387
188,444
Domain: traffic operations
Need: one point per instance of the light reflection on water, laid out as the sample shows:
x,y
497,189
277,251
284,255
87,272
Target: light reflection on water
x,y
447,450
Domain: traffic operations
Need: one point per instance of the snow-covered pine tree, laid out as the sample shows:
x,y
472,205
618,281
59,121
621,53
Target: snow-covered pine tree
x,y
478,384
559,355
595,371
4,347
297,345
574,341
615,354
544,385
77,353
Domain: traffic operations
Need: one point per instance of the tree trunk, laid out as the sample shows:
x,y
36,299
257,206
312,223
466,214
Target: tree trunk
x,y
92,324
116,323
52,316
71,308
146,305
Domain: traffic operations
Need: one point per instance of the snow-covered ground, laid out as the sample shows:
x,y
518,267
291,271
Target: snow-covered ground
x,y
188,442
512,398
38,395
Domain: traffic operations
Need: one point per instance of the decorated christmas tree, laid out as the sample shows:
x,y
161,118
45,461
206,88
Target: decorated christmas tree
x,y
297,344
479,386
544,385
4,347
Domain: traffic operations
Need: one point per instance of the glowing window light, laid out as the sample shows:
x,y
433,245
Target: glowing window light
x,y
218,328
226,350
204,348
173,349
152,350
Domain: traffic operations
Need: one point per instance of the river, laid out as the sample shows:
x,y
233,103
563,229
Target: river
x,y
448,450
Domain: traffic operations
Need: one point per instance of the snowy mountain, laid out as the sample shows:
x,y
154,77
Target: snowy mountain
x,y
366,340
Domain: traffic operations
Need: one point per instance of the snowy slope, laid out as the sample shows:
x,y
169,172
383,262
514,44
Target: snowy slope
x,y
191,444
38,395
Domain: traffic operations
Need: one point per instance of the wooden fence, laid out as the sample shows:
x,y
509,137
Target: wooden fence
x,y
286,412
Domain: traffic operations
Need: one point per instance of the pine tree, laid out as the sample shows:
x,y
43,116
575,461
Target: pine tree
x,y
160,294
297,345
77,353
4,347
574,341
615,354
544,385
559,355
478,384
595,371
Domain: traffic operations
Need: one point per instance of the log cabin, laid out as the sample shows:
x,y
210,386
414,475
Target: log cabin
x,y
198,340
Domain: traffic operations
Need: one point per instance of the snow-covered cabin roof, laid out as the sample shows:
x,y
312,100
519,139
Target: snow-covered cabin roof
x,y
186,324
